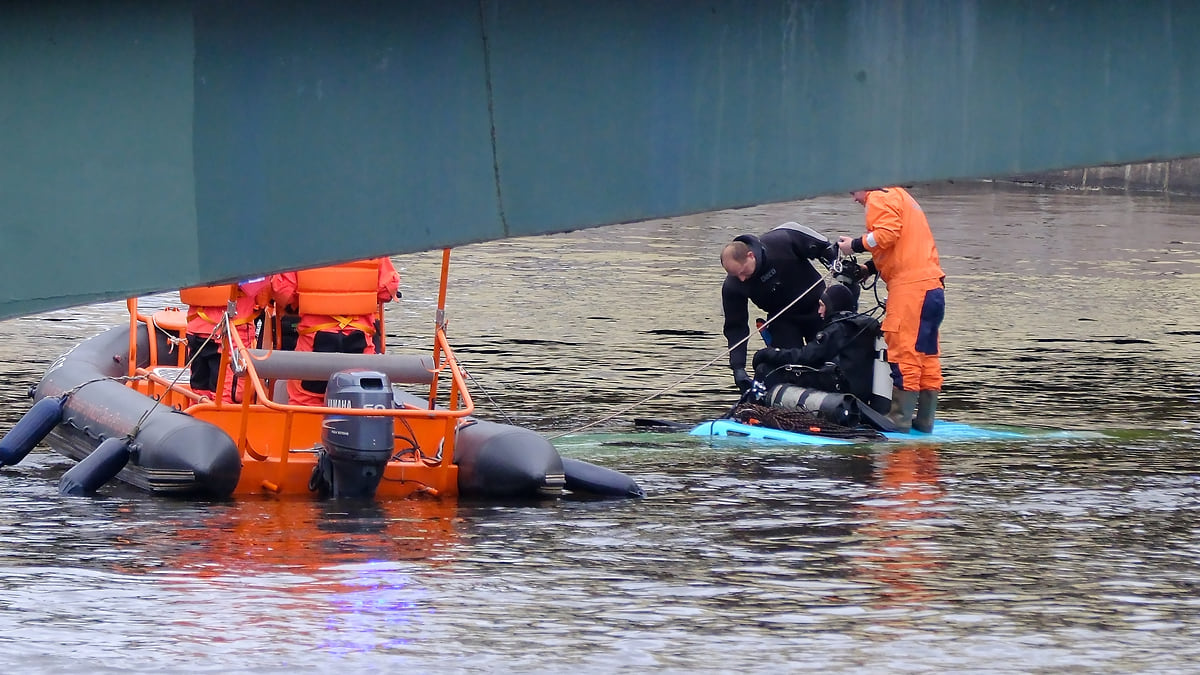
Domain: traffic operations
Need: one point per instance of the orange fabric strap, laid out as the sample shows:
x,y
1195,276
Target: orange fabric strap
x,y
340,323
236,322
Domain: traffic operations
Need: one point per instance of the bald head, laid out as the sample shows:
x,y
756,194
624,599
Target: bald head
x,y
738,260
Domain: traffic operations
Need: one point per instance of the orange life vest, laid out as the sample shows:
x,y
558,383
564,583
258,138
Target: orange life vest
x,y
199,298
343,292
206,296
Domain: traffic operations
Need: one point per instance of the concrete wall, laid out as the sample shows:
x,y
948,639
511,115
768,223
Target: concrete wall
x,y
146,146
1178,177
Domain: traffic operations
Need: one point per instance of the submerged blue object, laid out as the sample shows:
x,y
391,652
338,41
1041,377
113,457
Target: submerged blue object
x,y
942,432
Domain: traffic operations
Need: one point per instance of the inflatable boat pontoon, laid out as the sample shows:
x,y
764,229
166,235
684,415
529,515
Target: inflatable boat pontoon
x,y
120,404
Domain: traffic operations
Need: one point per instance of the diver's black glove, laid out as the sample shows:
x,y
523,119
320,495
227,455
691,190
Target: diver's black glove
x,y
765,359
742,380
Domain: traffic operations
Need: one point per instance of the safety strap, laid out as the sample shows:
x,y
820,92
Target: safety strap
x,y
340,323
236,322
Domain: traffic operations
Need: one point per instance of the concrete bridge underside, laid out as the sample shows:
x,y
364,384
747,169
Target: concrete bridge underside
x,y
148,146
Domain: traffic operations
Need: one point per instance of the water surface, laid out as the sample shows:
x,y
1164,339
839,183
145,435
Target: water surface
x,y
1080,553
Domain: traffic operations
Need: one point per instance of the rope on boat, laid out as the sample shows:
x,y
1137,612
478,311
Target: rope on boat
x,y
685,378
486,393
122,379
218,331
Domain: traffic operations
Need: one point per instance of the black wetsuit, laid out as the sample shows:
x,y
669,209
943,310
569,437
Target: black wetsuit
x,y
848,341
782,272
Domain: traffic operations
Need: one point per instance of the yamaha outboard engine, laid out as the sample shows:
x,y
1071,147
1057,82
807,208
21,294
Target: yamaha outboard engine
x,y
836,408
356,449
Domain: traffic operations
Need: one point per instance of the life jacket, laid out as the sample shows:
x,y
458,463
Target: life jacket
x,y
347,293
200,298
206,296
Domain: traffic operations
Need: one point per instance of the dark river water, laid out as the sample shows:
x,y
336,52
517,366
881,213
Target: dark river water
x,y
1070,552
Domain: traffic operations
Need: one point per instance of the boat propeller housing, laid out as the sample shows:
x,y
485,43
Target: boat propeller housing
x,y
355,449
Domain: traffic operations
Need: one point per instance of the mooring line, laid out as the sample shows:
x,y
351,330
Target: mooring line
x,y
692,374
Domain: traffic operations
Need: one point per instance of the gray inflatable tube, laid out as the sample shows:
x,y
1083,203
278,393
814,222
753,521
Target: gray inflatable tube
x,y
173,453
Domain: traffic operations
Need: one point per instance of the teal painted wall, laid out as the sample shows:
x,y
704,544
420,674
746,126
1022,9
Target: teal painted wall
x,y
218,139
95,151
363,119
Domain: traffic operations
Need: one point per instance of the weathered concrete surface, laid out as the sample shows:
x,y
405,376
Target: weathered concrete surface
x,y
1179,177
152,145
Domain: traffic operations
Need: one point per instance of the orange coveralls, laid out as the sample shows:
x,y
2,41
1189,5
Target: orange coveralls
x,y
906,257
336,332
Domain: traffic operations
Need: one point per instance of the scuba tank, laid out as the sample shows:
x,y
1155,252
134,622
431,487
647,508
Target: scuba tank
x,y
835,408
881,380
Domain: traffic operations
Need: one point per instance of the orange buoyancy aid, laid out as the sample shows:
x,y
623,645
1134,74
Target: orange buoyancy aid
x,y
206,305
207,296
347,293
899,238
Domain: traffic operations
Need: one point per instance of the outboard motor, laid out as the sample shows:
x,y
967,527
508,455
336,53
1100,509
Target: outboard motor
x,y
836,408
356,449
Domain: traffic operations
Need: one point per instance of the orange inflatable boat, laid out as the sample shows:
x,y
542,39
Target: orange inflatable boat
x,y
393,426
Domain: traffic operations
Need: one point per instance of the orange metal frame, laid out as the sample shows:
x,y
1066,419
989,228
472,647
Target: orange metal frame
x,y
278,441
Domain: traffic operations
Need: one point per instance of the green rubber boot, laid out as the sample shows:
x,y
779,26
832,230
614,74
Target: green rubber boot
x,y
894,411
927,402
901,414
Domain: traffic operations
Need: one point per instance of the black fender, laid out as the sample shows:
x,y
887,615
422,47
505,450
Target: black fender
x,y
588,478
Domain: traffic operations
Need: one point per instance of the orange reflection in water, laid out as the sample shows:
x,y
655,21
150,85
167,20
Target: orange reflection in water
x,y
306,535
333,576
899,553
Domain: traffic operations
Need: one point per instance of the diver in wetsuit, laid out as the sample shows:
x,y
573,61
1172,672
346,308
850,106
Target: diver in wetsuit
x,y
771,271
847,340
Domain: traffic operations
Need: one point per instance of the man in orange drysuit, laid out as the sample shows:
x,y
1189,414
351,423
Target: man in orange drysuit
x,y
905,256
206,308
338,305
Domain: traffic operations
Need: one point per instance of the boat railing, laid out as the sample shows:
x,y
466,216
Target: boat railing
x,y
259,366
263,365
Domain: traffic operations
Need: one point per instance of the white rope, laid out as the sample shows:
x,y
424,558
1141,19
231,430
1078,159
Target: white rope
x,y
218,331
694,373
479,384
